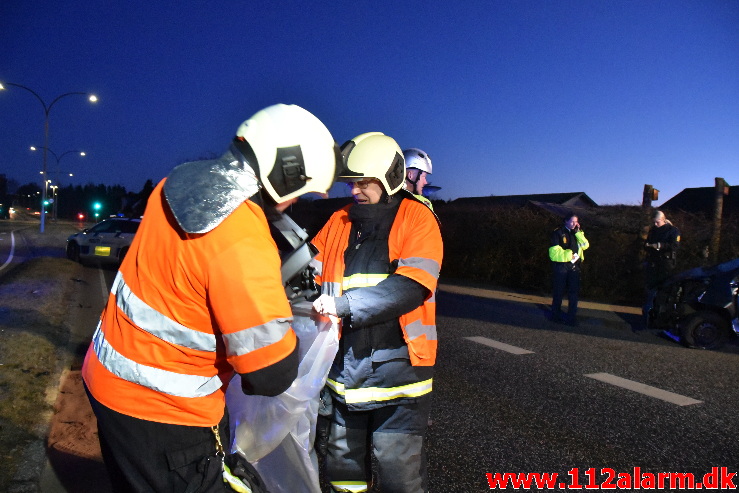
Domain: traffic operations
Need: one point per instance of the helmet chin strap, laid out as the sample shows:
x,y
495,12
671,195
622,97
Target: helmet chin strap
x,y
414,182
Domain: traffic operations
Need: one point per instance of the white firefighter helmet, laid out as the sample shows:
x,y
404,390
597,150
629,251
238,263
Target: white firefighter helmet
x,y
295,153
374,155
418,159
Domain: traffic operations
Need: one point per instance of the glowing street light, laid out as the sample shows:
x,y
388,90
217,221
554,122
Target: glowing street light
x,y
58,158
47,108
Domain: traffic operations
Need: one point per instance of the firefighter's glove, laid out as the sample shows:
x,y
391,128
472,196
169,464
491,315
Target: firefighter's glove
x,y
326,306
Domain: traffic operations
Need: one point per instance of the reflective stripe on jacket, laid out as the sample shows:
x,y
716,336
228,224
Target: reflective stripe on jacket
x,y
380,394
415,243
184,312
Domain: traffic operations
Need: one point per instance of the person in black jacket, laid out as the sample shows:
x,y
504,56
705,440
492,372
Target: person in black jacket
x,y
661,245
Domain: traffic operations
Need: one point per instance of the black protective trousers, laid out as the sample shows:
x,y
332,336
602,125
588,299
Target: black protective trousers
x,y
565,277
146,457
393,435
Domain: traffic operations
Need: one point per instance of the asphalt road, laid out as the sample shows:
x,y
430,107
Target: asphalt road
x,y
549,410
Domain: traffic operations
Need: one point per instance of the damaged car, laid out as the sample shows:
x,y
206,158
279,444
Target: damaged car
x,y
698,307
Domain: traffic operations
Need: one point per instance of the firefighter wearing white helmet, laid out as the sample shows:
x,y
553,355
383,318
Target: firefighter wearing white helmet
x,y
418,166
378,262
292,148
199,297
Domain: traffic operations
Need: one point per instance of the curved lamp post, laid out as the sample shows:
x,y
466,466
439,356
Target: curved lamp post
x,y
47,108
58,158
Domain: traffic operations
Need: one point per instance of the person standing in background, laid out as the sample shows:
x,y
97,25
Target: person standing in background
x,y
566,251
417,167
661,245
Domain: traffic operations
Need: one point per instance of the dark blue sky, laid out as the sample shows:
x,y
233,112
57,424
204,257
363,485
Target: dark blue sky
x,y
508,97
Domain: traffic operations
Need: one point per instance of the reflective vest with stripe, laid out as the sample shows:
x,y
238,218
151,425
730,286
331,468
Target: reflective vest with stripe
x,y
415,242
184,312
565,244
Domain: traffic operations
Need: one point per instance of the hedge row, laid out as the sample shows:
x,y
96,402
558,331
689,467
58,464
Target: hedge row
x,y
508,246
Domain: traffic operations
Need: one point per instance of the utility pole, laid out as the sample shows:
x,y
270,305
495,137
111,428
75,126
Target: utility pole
x,y
650,193
721,189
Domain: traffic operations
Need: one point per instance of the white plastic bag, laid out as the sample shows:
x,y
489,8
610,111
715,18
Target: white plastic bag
x,y
276,434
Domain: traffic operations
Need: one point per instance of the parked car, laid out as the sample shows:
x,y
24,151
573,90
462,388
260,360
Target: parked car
x,y
698,307
106,242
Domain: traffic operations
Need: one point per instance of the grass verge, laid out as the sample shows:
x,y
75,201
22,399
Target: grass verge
x,y
34,298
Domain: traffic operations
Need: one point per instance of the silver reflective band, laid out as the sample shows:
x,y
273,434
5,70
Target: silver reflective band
x,y
247,340
425,264
331,289
417,329
378,394
157,324
156,379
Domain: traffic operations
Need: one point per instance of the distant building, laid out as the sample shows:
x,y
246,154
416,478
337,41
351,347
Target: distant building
x,y
701,201
557,203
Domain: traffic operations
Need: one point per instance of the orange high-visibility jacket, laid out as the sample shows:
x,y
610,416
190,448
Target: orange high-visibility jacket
x,y
185,311
415,242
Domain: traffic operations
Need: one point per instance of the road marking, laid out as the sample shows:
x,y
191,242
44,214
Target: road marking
x,y
499,345
103,286
12,250
641,388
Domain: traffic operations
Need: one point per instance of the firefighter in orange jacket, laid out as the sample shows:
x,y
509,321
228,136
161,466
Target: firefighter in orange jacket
x,y
378,266
199,296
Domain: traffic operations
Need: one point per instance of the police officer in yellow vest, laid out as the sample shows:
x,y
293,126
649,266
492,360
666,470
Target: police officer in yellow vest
x,y
566,252
378,266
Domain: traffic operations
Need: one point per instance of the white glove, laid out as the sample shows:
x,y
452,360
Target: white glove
x,y
326,305
574,258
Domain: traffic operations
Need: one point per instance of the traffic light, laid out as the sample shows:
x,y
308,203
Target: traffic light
x,y
96,206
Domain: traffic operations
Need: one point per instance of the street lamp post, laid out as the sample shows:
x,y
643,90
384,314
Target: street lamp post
x,y
54,195
58,158
47,108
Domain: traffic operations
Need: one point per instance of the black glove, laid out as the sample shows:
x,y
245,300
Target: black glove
x,y
240,468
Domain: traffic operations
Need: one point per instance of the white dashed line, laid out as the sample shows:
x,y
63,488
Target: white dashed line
x,y
499,345
641,388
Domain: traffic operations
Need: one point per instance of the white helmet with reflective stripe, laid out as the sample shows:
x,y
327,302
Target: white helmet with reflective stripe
x,y
294,152
374,155
418,159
